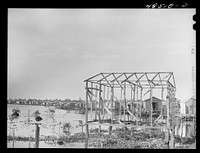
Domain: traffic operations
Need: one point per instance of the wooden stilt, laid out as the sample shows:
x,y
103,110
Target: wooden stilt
x,y
141,104
151,106
99,110
91,101
37,133
124,109
137,104
13,145
96,104
120,105
86,118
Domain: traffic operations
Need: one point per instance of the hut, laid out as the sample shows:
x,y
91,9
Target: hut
x,y
190,106
156,104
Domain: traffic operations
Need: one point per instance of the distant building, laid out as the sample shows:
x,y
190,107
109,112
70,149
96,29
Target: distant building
x,y
156,104
190,106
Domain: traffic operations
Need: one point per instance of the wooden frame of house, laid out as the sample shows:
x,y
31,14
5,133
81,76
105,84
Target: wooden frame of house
x,y
123,92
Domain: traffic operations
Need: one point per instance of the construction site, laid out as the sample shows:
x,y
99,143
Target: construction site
x,y
128,100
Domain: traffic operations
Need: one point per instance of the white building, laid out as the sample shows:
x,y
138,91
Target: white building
x,y
188,106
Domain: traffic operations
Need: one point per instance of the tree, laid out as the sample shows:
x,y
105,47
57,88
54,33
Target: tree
x,y
66,128
80,124
36,113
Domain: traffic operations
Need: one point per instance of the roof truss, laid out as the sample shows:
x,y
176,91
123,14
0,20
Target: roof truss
x,y
140,79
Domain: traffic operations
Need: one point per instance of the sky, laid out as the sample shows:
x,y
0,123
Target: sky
x,y
52,51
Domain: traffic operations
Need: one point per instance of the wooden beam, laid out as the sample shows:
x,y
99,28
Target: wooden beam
x,y
151,105
124,109
91,77
106,80
104,77
93,89
127,77
86,118
139,77
117,81
134,84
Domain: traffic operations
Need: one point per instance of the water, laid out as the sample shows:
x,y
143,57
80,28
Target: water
x,y
49,125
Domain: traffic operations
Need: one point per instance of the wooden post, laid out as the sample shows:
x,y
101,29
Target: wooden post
x,y
110,129
120,105
86,118
141,104
133,111
137,104
104,95
99,110
91,101
96,104
107,101
172,117
161,111
112,99
37,135
161,97
131,102
124,109
29,144
13,136
151,105
168,117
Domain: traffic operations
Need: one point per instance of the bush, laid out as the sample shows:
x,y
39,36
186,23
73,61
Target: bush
x,y
151,139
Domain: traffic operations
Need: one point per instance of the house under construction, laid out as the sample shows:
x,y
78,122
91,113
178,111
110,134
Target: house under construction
x,y
118,99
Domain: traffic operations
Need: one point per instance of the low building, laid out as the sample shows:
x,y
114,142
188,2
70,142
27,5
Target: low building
x,y
190,106
156,104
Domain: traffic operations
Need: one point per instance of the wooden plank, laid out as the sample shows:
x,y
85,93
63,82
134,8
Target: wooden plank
x,y
91,88
122,125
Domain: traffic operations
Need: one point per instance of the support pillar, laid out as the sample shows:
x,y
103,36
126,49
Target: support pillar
x,y
168,120
124,109
86,117
37,133
91,107
112,99
151,107
99,110
141,104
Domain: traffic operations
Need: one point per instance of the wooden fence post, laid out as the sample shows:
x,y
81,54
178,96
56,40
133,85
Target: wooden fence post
x,y
37,133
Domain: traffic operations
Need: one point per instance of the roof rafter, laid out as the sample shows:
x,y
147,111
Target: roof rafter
x,y
107,79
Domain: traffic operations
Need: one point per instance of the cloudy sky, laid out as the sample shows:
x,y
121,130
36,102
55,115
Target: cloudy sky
x,y
52,51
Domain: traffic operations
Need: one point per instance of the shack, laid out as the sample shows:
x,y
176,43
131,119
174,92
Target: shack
x,y
156,105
